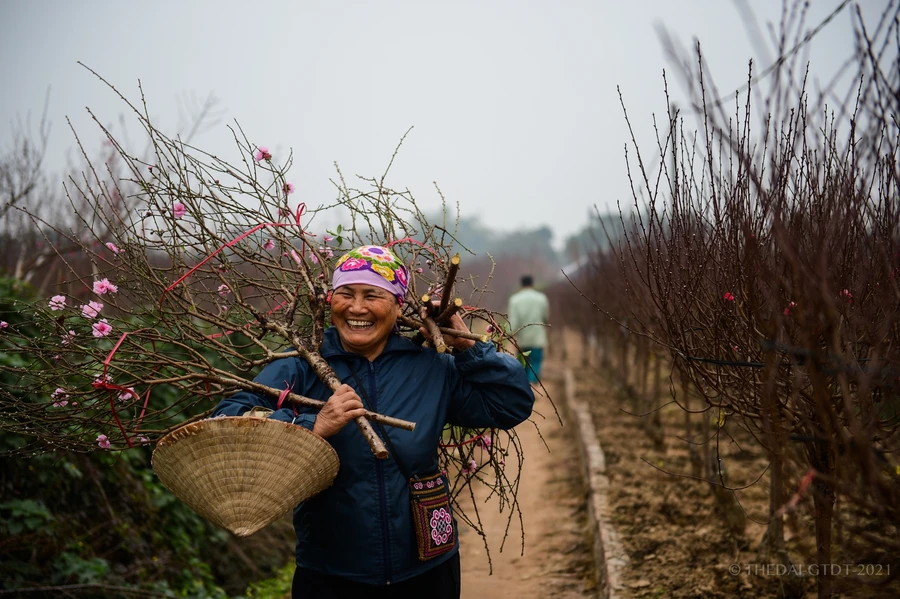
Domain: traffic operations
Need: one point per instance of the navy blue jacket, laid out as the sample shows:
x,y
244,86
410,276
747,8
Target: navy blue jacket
x,y
361,528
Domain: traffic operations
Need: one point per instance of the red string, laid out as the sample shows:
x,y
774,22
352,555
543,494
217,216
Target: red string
x,y
466,442
283,395
301,209
791,505
147,396
143,409
103,383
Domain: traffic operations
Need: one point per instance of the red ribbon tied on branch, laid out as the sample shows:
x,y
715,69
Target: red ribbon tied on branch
x,y
301,209
103,382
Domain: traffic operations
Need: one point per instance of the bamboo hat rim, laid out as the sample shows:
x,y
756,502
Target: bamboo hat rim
x,y
243,473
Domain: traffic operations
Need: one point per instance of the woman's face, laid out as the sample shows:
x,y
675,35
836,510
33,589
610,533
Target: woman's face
x,y
364,316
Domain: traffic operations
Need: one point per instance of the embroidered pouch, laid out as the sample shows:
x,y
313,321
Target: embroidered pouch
x,y
435,530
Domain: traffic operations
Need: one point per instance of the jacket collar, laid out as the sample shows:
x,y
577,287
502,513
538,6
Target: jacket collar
x,y
331,345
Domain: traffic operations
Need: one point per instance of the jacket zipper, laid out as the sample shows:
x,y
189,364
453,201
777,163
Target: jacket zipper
x,y
382,495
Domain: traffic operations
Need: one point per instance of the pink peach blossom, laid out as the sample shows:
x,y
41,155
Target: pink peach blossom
x,y
113,247
178,210
103,441
91,309
103,286
101,328
262,153
288,189
57,302
60,398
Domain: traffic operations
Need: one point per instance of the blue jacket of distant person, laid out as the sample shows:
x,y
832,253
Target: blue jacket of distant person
x,y
361,527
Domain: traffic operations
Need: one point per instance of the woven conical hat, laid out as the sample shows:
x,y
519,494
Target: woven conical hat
x,y
244,473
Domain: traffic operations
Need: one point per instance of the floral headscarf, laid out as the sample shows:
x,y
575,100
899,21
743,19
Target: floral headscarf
x,y
372,265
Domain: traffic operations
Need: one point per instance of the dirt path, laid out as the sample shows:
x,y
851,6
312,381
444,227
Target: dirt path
x,y
557,560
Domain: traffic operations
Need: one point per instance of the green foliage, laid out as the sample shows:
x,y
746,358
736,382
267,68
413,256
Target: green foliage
x,y
12,291
25,515
72,568
102,517
337,234
72,518
521,357
277,587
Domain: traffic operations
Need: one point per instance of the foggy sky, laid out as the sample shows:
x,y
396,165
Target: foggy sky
x,y
514,105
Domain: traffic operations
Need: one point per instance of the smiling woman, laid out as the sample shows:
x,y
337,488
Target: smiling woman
x,y
368,287
364,316
386,528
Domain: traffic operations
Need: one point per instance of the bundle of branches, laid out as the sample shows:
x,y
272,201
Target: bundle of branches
x,y
209,273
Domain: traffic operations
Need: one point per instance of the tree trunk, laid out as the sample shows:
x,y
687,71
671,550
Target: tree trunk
x,y
656,427
689,434
823,498
773,541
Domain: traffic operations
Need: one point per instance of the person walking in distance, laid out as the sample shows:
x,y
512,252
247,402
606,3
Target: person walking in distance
x,y
528,311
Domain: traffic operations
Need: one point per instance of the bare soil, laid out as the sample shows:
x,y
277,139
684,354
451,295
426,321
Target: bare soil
x,y
676,543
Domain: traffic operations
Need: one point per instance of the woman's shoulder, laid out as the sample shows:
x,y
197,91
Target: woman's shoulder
x,y
405,350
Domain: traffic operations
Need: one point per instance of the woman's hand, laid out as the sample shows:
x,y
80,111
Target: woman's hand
x,y
341,408
458,343
456,323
